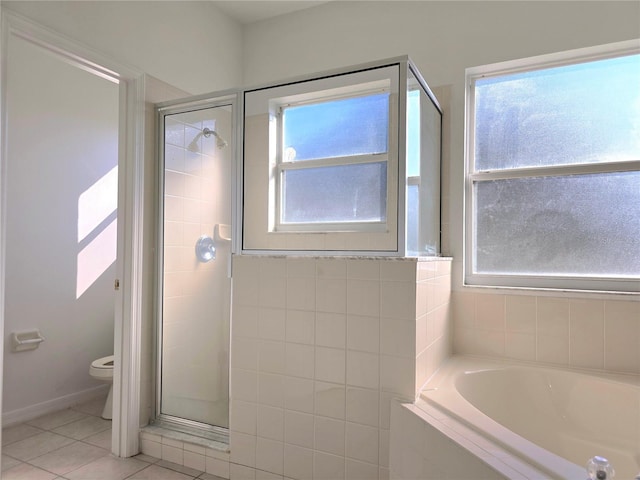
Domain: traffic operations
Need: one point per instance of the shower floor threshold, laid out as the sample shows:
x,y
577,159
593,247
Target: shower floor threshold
x,y
212,440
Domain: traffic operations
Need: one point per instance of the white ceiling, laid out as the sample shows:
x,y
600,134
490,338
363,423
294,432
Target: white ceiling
x,y
248,11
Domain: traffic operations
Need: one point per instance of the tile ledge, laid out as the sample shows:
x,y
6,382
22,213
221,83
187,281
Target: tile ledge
x,y
186,437
299,256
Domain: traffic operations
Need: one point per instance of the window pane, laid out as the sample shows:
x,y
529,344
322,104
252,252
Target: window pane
x,y
413,133
582,113
413,219
349,193
423,170
338,128
570,225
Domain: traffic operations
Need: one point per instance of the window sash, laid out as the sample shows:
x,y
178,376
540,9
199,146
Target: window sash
x,y
557,170
282,166
350,226
472,277
317,101
333,161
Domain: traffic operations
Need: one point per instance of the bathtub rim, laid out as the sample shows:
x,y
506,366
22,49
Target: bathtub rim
x,y
458,409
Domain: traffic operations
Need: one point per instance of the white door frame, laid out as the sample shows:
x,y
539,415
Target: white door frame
x,y
129,270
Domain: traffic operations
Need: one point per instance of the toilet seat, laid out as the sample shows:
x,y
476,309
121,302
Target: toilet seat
x,y
102,367
102,370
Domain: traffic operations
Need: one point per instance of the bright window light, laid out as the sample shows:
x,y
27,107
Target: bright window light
x,y
333,165
97,207
96,257
97,203
553,184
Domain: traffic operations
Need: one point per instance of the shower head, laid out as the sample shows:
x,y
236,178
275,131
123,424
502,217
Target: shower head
x,y
220,142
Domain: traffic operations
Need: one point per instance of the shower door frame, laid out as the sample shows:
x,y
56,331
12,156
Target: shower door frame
x,y
201,102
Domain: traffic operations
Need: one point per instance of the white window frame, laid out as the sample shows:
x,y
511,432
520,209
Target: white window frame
x,y
259,229
283,166
472,176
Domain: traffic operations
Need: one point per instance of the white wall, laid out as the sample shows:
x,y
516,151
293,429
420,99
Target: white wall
x,y
61,244
190,45
444,38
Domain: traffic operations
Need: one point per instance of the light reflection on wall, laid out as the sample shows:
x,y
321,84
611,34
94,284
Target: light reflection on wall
x,y
96,206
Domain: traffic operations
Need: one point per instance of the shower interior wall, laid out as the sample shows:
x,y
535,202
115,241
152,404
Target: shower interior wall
x,y
196,295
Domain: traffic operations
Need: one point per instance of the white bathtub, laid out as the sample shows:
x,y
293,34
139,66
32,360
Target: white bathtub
x,y
553,419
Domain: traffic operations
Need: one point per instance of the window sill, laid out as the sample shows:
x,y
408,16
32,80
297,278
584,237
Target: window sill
x,y
553,292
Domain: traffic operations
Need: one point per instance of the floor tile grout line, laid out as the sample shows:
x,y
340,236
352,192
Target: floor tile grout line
x,y
28,462
16,441
29,422
41,430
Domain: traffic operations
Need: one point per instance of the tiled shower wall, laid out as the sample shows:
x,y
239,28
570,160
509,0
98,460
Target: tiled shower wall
x,y
590,333
195,322
320,346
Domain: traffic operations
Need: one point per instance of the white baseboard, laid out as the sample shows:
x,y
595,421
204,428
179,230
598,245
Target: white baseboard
x,y
32,411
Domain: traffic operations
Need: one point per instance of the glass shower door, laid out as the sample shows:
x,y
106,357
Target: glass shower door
x,y
195,255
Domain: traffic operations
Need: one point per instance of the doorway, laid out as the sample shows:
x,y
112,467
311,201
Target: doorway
x,y
194,294
61,227
129,307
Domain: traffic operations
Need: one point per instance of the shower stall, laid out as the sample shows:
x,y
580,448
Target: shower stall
x,y
194,259
215,189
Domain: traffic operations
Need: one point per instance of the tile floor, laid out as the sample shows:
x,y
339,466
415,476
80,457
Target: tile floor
x,y
75,444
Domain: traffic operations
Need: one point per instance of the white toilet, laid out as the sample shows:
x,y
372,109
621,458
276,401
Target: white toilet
x,y
102,369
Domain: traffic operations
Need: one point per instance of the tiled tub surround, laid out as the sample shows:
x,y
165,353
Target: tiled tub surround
x,y
320,346
590,333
